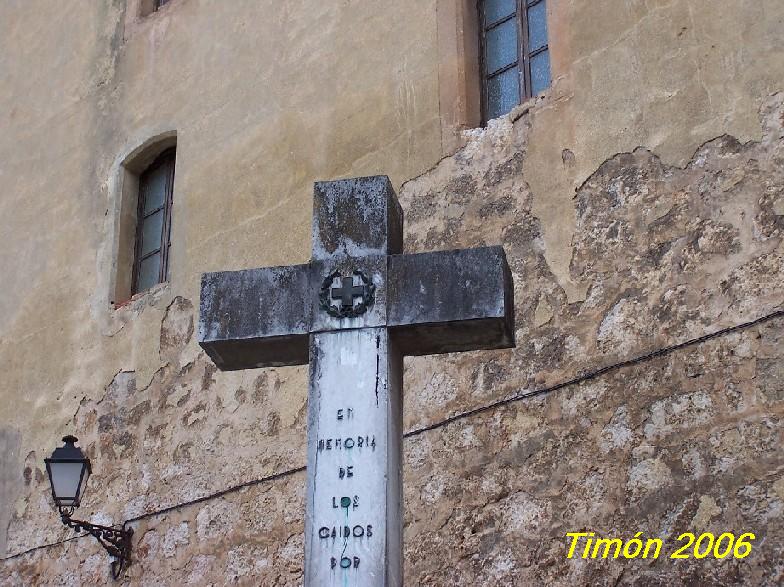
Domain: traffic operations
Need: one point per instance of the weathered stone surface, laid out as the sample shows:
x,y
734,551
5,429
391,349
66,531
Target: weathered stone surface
x,y
355,394
257,317
433,302
419,304
9,465
262,317
668,254
82,88
451,301
497,511
689,440
356,217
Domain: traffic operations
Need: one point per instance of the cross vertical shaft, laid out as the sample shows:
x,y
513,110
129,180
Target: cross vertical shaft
x,y
354,508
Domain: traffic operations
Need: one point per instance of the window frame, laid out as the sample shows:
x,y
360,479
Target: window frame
x,y
524,55
166,157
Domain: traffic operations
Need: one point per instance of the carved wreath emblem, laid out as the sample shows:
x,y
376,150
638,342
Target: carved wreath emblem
x,y
346,295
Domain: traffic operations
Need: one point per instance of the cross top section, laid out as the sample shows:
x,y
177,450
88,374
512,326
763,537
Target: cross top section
x,y
356,218
435,302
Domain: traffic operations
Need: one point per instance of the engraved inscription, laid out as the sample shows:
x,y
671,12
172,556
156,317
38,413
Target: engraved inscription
x,y
347,443
342,533
345,414
356,531
346,562
346,502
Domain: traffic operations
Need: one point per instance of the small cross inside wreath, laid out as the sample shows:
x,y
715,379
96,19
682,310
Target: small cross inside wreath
x,y
346,295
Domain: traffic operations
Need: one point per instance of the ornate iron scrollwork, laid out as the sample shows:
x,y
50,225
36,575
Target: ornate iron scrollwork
x,y
116,541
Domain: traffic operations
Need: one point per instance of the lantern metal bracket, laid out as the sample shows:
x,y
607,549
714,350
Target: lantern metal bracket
x,y
116,541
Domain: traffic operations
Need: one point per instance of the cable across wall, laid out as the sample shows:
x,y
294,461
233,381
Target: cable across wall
x,y
578,379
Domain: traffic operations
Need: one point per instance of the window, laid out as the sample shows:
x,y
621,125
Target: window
x,y
153,226
148,7
515,55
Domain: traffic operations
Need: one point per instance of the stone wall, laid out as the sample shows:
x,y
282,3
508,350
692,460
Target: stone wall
x,y
684,440
263,104
617,251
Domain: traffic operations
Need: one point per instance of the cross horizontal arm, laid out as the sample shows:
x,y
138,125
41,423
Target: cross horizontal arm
x,y
256,317
449,301
440,302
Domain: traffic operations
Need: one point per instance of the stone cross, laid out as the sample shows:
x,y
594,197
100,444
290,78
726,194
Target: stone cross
x,y
353,312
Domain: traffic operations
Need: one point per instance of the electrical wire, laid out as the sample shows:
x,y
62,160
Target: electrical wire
x,y
583,377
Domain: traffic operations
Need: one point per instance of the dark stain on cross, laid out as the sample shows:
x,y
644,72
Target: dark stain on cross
x,y
352,313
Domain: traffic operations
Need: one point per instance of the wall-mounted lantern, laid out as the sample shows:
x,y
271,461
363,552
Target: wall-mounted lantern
x,y
68,469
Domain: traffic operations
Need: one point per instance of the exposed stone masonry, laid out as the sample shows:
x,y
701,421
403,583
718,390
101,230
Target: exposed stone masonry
x,y
687,441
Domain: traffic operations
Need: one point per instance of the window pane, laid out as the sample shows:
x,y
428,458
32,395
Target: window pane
x,y
152,227
154,188
537,26
540,72
148,272
501,46
503,93
497,9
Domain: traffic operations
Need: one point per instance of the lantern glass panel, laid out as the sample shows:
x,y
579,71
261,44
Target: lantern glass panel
x,y
67,481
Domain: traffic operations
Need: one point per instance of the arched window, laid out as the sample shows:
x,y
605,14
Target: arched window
x,y
153,226
515,53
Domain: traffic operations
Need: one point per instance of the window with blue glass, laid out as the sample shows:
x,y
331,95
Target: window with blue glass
x,y
153,229
515,53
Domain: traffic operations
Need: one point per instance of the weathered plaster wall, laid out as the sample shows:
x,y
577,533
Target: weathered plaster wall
x,y
667,75
265,98
616,251
688,441
685,441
